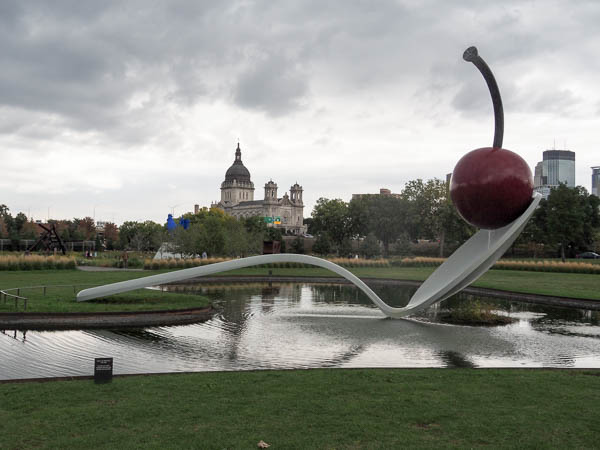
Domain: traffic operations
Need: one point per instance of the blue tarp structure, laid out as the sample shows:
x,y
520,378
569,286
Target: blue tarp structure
x,y
171,224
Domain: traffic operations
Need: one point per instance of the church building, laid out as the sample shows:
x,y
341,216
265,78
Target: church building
x,y
237,199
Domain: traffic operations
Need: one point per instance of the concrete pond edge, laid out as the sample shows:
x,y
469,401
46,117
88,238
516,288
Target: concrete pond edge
x,y
80,321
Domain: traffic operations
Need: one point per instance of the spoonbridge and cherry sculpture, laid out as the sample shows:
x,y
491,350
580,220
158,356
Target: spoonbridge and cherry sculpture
x,y
492,188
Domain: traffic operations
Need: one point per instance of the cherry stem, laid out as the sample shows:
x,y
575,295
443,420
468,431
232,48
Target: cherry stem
x,y
471,55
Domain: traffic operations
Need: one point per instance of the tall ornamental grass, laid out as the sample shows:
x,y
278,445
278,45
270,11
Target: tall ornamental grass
x,y
172,263
157,264
36,262
549,266
418,261
534,266
360,262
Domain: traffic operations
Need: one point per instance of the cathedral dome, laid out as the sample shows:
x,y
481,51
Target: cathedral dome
x,y
237,171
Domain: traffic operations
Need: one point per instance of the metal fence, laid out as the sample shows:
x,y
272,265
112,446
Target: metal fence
x,y
5,294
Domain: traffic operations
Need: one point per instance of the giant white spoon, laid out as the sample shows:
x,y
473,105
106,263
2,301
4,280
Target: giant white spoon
x,y
465,265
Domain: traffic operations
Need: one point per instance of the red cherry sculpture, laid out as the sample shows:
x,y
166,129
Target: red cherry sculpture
x,y
491,186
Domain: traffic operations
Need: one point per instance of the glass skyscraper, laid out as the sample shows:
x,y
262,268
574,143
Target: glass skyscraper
x,y
557,166
596,181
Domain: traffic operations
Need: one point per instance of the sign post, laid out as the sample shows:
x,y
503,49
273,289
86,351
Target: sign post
x,y
103,370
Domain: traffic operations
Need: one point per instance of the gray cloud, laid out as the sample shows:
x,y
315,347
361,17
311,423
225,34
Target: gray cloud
x,y
121,77
87,61
274,85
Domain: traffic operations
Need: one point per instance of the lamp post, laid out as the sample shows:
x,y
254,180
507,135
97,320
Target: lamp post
x,y
173,208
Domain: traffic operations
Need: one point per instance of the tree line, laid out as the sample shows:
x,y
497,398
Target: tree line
x,y
19,227
422,210
210,231
216,233
566,223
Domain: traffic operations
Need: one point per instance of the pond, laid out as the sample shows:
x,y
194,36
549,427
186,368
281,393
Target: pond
x,y
303,325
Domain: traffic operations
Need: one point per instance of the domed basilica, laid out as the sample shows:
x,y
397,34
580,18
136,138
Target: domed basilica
x,y
237,199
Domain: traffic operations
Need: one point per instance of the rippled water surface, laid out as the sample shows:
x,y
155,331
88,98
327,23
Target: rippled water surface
x,y
311,325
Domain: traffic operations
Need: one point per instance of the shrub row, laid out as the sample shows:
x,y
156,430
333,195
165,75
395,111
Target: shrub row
x,y
156,264
36,262
111,262
360,262
549,266
534,266
419,261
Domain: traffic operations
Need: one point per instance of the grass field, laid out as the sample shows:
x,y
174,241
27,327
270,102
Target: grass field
x,y
333,409
574,285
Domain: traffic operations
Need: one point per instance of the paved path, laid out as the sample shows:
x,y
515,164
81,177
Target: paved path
x,y
106,269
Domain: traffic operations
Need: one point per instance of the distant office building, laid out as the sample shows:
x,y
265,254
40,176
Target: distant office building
x,y
557,166
382,191
538,174
596,181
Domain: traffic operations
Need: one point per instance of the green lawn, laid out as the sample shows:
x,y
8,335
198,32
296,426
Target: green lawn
x,y
62,299
332,409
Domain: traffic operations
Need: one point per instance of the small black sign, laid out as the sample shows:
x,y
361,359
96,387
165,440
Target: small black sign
x,y
103,370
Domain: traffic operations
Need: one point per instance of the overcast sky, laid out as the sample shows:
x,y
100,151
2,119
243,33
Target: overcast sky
x,y
128,110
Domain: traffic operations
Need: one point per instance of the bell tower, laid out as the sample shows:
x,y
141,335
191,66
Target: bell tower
x,y
271,192
296,194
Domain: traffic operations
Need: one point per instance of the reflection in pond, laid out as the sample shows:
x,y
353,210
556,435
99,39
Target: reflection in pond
x,y
302,325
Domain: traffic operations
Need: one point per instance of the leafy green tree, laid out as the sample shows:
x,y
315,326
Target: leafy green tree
x,y
29,230
255,225
370,246
432,214
322,245
274,234
403,247
426,199
86,228
332,217
10,224
308,221
565,217
111,235
236,238
535,234
143,236
257,230
3,228
214,235
298,245
451,228
387,219
358,210
591,221
19,221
